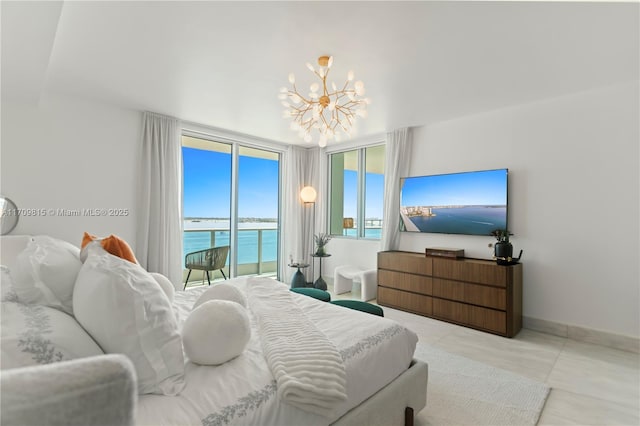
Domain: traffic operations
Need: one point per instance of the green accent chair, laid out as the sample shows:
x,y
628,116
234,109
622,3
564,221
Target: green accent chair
x,y
210,259
360,306
313,292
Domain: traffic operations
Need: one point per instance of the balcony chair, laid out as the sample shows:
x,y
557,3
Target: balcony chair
x,y
206,260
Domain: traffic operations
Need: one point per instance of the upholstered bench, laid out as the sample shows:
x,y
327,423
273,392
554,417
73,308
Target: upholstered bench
x,y
313,292
360,306
343,277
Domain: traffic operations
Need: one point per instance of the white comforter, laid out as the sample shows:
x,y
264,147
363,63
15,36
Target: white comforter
x,y
243,391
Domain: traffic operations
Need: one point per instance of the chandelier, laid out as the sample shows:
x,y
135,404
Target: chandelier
x,y
330,112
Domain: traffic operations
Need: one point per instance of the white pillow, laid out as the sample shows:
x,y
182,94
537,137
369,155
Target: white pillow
x,y
7,288
222,292
165,284
215,332
37,334
46,273
125,311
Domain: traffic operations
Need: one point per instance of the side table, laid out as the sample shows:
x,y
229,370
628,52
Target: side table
x,y
320,284
298,279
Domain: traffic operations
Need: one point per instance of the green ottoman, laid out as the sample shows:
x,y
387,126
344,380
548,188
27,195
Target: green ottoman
x,y
360,306
313,292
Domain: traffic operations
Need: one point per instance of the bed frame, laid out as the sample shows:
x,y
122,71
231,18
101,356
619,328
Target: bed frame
x,y
394,404
102,390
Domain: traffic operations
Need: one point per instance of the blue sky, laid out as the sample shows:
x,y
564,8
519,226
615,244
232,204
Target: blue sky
x,y
487,187
207,185
374,194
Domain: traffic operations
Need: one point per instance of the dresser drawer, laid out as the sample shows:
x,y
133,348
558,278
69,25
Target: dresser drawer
x,y
470,271
403,281
413,263
488,319
405,301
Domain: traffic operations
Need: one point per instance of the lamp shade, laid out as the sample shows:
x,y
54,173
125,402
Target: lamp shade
x,y
308,194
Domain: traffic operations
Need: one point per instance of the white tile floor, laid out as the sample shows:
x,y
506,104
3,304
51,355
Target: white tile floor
x,y
591,384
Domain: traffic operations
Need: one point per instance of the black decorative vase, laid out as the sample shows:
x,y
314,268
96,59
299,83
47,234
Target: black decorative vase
x,y
503,251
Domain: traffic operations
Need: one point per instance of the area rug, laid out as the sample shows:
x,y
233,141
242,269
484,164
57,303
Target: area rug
x,y
461,391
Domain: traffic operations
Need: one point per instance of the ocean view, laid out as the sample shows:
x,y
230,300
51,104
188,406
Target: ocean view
x,y
197,236
475,220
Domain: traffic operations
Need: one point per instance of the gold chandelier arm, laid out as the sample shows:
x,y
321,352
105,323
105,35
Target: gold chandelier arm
x,y
302,98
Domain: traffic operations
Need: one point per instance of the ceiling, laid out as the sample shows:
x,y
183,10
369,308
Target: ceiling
x,y
222,63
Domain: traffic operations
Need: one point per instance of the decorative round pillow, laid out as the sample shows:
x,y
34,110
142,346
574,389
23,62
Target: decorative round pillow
x,y
222,292
215,332
166,285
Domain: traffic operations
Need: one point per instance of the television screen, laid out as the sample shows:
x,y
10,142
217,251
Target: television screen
x,y
473,203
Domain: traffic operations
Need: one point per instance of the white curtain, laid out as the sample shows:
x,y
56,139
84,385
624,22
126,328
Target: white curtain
x,y
159,212
316,175
292,220
303,167
397,162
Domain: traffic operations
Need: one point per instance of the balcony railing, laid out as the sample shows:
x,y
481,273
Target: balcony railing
x,y
257,250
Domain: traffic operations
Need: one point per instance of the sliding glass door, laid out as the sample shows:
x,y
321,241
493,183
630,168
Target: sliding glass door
x,y
258,182
231,198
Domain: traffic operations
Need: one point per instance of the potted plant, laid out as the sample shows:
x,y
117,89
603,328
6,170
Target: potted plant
x,y
321,240
502,250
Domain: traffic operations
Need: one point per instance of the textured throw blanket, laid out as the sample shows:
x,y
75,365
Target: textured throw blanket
x,y
308,368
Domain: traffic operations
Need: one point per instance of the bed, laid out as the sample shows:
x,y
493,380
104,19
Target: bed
x,y
384,384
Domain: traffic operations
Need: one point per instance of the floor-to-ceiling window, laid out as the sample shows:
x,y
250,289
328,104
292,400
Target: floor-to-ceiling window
x,y
231,197
258,182
357,192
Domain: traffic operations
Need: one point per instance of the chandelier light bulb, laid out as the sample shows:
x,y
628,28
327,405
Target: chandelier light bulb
x,y
331,111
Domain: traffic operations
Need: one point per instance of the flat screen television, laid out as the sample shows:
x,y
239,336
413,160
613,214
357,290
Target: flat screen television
x,y
471,203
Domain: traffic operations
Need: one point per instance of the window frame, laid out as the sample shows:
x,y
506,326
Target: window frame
x,y
237,140
361,188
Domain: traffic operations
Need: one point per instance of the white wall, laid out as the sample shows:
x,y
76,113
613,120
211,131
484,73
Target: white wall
x,y
70,154
573,201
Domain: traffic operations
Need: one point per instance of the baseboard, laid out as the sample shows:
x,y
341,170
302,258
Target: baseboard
x,y
583,334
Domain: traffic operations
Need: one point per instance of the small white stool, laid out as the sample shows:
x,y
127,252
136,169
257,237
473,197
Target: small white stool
x,y
343,277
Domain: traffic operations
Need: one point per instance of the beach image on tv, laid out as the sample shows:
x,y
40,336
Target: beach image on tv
x,y
461,203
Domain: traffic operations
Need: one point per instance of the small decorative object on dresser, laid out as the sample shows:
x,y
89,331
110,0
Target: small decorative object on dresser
x,y
503,249
452,253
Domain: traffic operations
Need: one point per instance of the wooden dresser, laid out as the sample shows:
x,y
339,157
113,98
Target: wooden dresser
x,y
472,292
